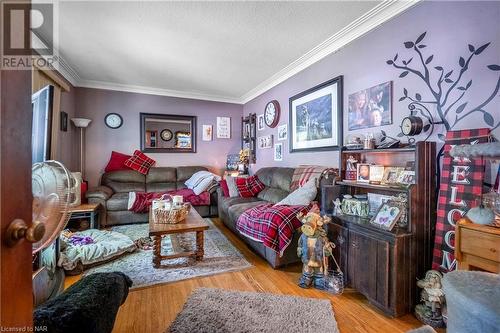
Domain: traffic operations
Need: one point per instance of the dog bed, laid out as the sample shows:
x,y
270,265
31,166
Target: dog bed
x,y
91,248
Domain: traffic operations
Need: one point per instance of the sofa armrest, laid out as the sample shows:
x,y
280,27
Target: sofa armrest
x,y
99,193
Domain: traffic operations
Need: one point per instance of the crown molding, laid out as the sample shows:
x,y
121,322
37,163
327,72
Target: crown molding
x,y
378,15
155,91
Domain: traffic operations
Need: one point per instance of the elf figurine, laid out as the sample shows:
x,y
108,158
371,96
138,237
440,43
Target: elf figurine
x,y
312,249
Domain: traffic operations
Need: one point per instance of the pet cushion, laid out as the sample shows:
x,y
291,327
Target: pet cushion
x,y
140,162
196,178
203,185
301,196
231,185
106,245
117,162
249,187
225,189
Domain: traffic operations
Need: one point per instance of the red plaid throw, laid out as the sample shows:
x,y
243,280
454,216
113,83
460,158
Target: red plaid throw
x,y
303,173
249,187
140,162
142,200
461,185
272,225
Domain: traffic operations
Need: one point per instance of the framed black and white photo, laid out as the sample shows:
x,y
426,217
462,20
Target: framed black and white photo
x,y
265,142
260,122
282,132
278,152
371,107
316,118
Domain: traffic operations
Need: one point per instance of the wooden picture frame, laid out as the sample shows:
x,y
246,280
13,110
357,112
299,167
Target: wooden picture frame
x,y
362,176
391,175
406,177
388,215
151,121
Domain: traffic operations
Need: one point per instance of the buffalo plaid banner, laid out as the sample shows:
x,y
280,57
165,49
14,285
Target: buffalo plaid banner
x,y
461,186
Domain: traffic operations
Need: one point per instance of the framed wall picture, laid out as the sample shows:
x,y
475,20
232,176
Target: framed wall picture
x,y
265,142
387,215
282,132
207,133
278,152
363,173
64,121
261,124
371,107
391,175
223,127
406,177
316,118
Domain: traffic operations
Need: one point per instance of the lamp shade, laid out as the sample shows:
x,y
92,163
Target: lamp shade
x,y
81,122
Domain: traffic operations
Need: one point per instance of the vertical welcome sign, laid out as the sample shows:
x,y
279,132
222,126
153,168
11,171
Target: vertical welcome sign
x,y
461,186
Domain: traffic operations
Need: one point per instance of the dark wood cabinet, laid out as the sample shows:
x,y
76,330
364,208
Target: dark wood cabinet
x,y
384,265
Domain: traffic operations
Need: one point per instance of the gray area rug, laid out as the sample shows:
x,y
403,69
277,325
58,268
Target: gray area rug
x,y
210,310
220,257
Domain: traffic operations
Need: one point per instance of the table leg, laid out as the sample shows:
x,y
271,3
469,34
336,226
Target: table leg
x,y
92,220
156,251
200,251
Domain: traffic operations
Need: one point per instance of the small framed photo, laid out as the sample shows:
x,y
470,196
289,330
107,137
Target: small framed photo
x,y
406,177
376,200
207,133
64,121
260,122
376,173
282,132
391,175
265,141
223,127
387,215
278,152
363,173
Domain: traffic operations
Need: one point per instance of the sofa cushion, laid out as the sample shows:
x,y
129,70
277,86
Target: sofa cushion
x,y
116,162
185,172
226,202
236,210
232,188
118,201
161,175
301,196
223,186
249,187
276,177
124,181
140,162
272,194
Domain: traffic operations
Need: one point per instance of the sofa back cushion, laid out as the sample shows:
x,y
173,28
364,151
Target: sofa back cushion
x,y
124,181
185,172
277,181
161,179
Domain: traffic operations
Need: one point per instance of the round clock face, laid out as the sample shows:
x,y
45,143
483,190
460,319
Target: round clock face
x,y
411,125
272,114
113,120
166,135
406,126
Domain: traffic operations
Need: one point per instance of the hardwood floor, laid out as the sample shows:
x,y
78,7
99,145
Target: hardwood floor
x,y
152,309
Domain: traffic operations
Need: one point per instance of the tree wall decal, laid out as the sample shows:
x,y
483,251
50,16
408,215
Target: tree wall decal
x,y
447,92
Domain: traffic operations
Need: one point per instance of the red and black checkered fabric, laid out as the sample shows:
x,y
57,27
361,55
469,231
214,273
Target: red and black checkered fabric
x,y
249,187
140,162
272,225
456,196
303,173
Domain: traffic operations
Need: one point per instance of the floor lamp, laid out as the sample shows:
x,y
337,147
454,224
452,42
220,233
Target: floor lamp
x,y
82,123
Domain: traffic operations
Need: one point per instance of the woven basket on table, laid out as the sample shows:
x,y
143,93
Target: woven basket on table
x,y
171,216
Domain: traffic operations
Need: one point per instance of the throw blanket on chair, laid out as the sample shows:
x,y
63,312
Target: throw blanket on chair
x,y
303,173
139,202
272,225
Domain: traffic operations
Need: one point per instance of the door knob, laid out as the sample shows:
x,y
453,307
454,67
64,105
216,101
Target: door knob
x,y
18,230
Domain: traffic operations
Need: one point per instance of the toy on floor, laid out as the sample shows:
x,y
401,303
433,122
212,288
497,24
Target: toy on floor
x,y
430,311
313,249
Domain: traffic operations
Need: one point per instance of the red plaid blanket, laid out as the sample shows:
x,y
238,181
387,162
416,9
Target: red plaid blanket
x,y
303,173
143,200
272,225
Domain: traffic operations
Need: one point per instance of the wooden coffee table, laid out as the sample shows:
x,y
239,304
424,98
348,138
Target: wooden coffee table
x,y
193,223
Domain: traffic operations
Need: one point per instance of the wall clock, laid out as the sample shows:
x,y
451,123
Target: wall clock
x,y
412,125
166,135
113,120
272,113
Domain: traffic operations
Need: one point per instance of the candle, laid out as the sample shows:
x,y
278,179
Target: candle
x,y
177,200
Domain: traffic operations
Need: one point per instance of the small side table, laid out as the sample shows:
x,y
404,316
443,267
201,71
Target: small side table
x,y
86,211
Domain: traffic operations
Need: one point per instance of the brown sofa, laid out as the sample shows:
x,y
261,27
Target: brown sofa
x,y
114,187
277,181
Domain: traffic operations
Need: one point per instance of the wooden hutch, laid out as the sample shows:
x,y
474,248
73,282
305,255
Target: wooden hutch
x,y
385,265
249,135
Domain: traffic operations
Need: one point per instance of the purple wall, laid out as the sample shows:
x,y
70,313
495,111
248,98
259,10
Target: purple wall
x,y
101,140
450,27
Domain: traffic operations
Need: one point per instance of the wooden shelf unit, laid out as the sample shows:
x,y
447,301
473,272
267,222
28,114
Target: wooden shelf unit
x,y
249,135
384,265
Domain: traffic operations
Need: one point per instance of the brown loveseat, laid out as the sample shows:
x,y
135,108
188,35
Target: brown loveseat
x,y
277,181
114,187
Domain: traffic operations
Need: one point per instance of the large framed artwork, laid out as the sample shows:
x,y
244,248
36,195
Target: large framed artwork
x,y
371,107
316,118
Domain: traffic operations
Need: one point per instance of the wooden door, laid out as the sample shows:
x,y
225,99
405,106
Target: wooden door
x,y
16,308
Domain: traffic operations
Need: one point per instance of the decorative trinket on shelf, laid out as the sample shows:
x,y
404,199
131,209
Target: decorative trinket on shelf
x,y
312,248
350,172
369,142
432,296
355,141
338,207
356,207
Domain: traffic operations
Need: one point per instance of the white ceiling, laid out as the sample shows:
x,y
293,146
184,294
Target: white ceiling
x,y
226,51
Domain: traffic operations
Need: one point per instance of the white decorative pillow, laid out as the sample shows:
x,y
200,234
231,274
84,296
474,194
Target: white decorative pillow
x,y
196,178
203,185
233,189
301,196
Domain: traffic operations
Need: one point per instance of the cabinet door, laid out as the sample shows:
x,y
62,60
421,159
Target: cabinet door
x,y
339,236
368,267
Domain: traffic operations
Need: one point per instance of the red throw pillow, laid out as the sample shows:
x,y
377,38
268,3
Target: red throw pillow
x,y
117,162
224,188
140,162
249,187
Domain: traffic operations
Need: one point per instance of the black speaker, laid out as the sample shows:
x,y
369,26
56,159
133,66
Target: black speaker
x,y
329,193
